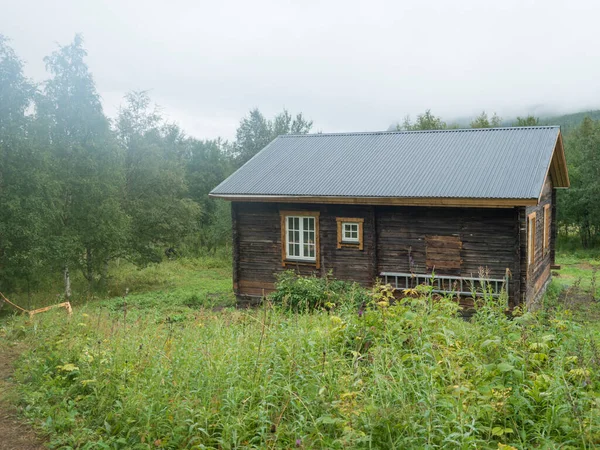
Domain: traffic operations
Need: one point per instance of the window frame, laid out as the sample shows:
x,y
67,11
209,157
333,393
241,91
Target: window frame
x,y
351,230
547,225
287,259
531,238
346,243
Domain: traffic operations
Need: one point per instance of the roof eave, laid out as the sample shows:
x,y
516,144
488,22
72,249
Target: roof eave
x,y
384,201
561,163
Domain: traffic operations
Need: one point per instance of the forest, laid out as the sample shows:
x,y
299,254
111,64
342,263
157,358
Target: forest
x,y
79,190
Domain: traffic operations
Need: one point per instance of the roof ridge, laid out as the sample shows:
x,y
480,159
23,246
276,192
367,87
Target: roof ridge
x,y
452,130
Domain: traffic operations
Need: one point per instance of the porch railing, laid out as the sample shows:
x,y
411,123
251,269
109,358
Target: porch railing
x,y
445,284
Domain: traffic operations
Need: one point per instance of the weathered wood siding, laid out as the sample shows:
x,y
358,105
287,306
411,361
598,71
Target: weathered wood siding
x,y
392,238
553,229
536,276
489,239
257,229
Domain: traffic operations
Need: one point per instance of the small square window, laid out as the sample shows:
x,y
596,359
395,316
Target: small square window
x,y
350,232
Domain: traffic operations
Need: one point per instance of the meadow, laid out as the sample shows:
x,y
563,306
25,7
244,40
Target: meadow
x,y
173,364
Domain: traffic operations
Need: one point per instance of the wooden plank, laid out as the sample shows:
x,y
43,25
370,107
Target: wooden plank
x,y
440,257
256,284
66,305
235,246
441,245
393,201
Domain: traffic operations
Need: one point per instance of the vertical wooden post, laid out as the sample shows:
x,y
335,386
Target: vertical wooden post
x,y
515,276
372,227
553,229
235,247
521,296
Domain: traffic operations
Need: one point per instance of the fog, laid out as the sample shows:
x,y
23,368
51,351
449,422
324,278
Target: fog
x,y
350,66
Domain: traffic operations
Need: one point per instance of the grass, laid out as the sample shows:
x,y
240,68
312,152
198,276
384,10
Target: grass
x,y
166,368
579,271
173,283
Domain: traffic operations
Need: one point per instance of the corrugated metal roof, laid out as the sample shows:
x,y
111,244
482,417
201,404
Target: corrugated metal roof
x,y
508,163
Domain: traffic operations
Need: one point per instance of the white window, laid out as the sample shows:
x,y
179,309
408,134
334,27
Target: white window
x,y
350,232
300,232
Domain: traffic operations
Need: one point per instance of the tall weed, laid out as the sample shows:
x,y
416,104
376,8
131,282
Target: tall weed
x,y
380,372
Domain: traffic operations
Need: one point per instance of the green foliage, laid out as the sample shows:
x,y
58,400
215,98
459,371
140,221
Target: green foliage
x,y
482,121
300,293
528,121
78,191
25,184
578,206
425,121
217,232
569,122
255,132
88,172
155,180
403,374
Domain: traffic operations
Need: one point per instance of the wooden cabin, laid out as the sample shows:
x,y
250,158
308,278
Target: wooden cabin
x,y
474,206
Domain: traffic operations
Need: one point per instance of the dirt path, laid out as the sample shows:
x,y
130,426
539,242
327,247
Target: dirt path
x,y
14,433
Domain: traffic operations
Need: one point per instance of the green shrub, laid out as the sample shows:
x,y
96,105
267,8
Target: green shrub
x,y
309,293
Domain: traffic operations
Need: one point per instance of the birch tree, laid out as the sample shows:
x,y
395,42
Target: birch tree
x,y
91,225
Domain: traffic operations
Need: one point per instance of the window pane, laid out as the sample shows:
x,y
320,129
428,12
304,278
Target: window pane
x,y
350,231
300,237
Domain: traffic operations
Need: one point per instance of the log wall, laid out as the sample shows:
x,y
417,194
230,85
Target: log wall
x,y
537,275
488,239
461,241
259,259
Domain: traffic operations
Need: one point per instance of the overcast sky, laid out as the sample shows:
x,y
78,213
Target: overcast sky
x,y
350,66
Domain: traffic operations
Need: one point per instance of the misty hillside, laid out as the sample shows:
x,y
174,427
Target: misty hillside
x,y
569,121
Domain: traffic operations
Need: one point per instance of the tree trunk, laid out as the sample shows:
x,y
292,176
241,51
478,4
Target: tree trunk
x,y
104,274
67,278
89,268
28,293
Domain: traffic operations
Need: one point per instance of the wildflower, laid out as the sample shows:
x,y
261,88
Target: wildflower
x,y
336,320
298,442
